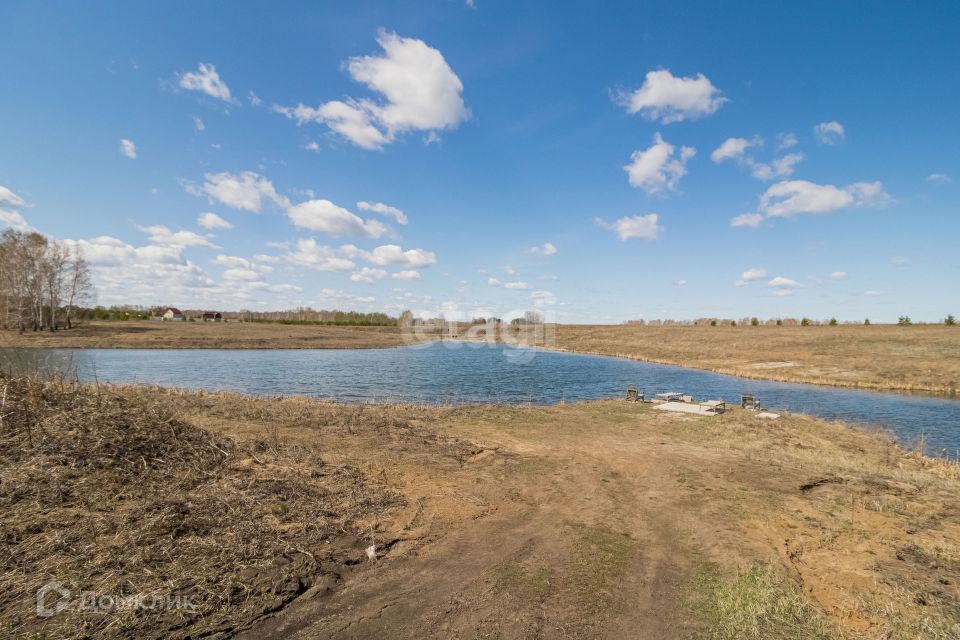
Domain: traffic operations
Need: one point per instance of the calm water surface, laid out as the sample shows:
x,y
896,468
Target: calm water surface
x,y
459,372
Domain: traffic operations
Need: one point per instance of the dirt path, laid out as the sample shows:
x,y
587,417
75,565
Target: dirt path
x,y
547,534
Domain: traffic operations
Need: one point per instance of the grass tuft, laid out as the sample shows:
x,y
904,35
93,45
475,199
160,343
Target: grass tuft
x,y
758,602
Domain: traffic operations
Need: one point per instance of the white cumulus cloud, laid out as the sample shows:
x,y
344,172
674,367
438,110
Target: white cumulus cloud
x,y
9,214
791,197
368,274
669,98
732,149
164,237
751,275
246,190
13,220
658,169
736,149
325,216
392,255
311,255
419,92
778,168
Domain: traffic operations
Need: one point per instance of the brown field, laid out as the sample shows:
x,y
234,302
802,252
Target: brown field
x,y
914,358
205,335
603,519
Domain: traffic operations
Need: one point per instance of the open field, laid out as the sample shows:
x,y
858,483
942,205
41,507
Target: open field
x,y
205,335
602,519
913,358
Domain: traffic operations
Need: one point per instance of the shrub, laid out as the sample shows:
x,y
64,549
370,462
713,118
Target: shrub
x,y
904,321
754,322
779,322
950,321
866,322
833,322
805,322
713,323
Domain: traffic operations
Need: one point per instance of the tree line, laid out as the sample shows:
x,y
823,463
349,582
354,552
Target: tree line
x,y
307,315
42,282
949,321
303,315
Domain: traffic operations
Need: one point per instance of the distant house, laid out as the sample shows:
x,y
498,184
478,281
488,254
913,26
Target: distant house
x,y
172,313
211,316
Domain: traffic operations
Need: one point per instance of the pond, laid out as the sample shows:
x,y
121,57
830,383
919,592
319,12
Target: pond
x,y
464,373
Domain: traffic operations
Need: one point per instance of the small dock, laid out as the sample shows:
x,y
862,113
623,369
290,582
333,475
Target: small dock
x,y
679,402
683,403
709,408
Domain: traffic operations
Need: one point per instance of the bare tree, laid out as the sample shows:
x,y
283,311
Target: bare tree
x,y
36,276
54,268
79,289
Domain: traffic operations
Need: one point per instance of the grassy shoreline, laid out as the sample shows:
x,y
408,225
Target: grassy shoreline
x,y
923,359
592,519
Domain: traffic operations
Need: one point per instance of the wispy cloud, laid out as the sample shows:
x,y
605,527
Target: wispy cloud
x,y
206,80
646,227
829,132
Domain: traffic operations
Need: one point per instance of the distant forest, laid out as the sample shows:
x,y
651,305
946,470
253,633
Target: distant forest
x,y
304,315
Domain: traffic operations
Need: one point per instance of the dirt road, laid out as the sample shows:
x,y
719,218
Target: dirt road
x,y
605,520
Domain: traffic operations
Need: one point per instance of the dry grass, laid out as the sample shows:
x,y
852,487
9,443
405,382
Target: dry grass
x,y
109,490
206,335
914,358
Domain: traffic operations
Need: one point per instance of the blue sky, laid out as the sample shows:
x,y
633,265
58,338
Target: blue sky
x,y
599,161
